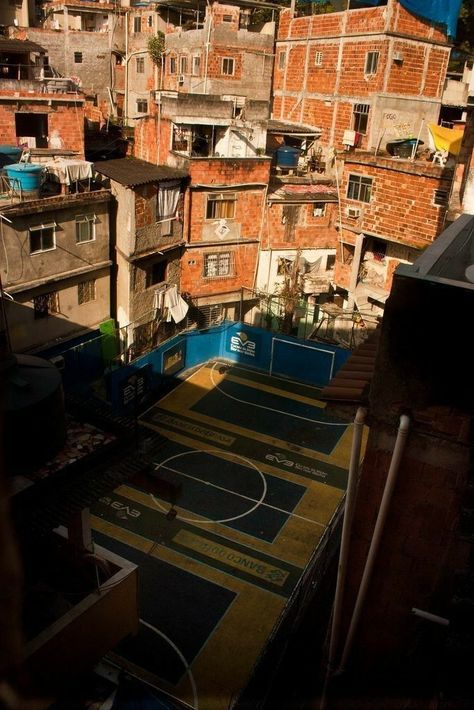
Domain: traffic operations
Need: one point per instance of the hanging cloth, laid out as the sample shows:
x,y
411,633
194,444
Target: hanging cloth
x,y
167,199
177,306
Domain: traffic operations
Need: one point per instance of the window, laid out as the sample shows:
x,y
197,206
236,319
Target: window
x,y
359,188
220,264
142,106
221,205
284,266
140,65
228,66
156,273
281,60
318,59
85,229
379,249
227,18
196,65
172,67
137,24
45,304
86,291
440,198
42,238
360,118
150,20
77,57
371,62
330,262
183,65
319,209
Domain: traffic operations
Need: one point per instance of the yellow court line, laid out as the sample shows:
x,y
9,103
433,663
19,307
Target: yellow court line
x,y
273,390
334,458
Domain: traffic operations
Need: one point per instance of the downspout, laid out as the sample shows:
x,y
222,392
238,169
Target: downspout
x,y
377,535
126,71
206,61
351,495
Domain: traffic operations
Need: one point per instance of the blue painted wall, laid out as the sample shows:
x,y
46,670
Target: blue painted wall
x,y
285,356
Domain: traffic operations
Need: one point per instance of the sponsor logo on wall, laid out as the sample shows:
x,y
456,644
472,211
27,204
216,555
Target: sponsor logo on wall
x,y
173,359
241,343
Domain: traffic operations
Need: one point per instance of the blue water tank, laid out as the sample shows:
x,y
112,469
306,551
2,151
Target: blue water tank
x,y
287,156
28,175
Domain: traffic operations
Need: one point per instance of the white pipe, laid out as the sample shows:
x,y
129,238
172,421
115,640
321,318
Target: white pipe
x,y
377,535
351,495
206,60
430,617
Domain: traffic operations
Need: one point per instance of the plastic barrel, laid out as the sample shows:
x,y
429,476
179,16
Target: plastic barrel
x,y
28,175
287,156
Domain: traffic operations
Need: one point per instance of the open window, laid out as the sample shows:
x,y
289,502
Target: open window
x,y
32,129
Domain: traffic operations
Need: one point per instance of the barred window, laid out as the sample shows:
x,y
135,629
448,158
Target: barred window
x,y
137,24
172,65
183,65
359,188
142,106
361,118
45,304
440,197
318,59
221,205
219,264
86,291
42,238
140,65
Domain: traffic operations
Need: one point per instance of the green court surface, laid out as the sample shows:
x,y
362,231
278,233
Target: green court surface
x,y
225,525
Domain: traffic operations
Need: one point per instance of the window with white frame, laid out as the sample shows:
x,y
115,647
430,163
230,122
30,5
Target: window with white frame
x,y
359,188
218,264
183,65
196,67
228,66
85,291
221,205
371,62
142,106
281,59
360,118
85,228
318,59
140,65
172,65
42,238
137,24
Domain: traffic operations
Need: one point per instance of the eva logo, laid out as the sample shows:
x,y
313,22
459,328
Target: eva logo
x,y
240,343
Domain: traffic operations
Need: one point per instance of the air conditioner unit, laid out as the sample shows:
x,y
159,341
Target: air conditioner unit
x,y
353,212
397,57
181,79
58,361
155,95
318,211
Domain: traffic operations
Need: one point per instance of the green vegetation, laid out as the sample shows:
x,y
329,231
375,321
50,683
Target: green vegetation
x,y
156,47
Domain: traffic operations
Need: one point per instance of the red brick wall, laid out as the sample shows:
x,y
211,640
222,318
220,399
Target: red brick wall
x,y
228,171
353,81
310,232
193,281
218,12
406,23
248,212
409,73
401,205
437,72
322,79
65,118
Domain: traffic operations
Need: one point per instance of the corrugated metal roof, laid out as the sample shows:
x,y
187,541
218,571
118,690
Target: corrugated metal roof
x,y
352,382
18,45
275,126
132,172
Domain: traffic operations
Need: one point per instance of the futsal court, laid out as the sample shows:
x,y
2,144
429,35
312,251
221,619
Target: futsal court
x,y
239,498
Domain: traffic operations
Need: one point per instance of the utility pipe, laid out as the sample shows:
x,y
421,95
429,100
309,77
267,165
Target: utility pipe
x,y
377,535
206,60
351,495
430,617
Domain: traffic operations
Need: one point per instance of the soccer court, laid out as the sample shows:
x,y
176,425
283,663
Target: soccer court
x,y
223,528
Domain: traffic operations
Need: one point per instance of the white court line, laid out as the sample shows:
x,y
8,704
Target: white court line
x,y
271,409
248,463
181,658
227,490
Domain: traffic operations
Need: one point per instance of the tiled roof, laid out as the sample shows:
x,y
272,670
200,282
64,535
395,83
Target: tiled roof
x,y
132,172
17,45
352,382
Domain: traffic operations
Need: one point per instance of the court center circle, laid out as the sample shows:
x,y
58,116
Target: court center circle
x,y
247,463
